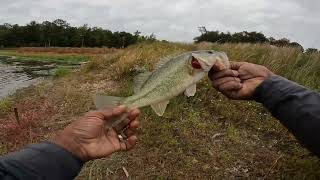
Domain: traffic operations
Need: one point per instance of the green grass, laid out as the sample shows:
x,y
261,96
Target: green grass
x,y
46,57
204,137
7,52
5,105
56,58
61,72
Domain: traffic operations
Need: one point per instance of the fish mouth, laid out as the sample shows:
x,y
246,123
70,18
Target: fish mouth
x,y
195,63
198,63
205,66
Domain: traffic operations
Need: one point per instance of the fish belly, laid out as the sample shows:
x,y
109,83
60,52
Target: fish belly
x,y
169,87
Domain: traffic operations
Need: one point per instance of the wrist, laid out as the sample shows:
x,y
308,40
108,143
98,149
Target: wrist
x,y
266,75
71,145
260,88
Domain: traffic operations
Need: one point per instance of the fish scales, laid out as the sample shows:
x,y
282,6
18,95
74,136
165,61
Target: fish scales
x,y
168,81
173,77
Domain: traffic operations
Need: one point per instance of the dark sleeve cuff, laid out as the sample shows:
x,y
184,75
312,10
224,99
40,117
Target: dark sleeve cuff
x,y
275,89
41,161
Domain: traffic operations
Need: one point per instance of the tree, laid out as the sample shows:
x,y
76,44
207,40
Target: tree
x,y
240,37
284,42
243,37
60,33
210,36
4,31
311,50
296,45
33,34
47,33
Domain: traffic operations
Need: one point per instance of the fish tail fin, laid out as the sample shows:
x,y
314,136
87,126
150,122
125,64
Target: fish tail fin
x,y
102,101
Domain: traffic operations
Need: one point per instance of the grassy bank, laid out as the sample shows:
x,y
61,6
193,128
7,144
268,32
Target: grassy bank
x,y
67,50
207,136
45,56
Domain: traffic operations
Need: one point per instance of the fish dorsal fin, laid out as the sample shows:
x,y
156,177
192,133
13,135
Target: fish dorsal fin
x,y
162,62
160,108
139,80
191,90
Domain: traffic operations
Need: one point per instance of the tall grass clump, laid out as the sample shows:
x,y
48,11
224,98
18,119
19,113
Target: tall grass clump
x,y
5,105
140,57
288,62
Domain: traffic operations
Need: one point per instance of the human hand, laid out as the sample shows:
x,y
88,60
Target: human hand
x,y
88,138
241,81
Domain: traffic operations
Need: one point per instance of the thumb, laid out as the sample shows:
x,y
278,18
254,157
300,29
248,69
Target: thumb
x,y
236,65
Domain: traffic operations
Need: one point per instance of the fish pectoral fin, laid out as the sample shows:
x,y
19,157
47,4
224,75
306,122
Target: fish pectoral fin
x,y
160,108
139,80
191,90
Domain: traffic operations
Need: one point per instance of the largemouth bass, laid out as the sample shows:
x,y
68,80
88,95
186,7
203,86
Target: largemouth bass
x,y
171,77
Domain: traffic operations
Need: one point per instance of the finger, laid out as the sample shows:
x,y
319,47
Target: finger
x,y
135,124
230,86
129,143
218,82
119,110
132,127
129,132
218,66
110,113
236,65
223,73
122,125
134,114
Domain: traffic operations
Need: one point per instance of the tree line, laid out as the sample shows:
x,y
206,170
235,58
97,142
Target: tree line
x,y
59,33
244,37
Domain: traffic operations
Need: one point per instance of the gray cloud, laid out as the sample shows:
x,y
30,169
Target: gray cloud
x,y
178,20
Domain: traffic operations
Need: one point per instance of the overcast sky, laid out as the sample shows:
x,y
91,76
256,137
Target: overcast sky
x,y
177,20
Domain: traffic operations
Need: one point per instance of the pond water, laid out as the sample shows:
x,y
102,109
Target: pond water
x,y
15,74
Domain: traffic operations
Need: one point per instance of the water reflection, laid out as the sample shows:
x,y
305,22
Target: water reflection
x,y
16,74
13,78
